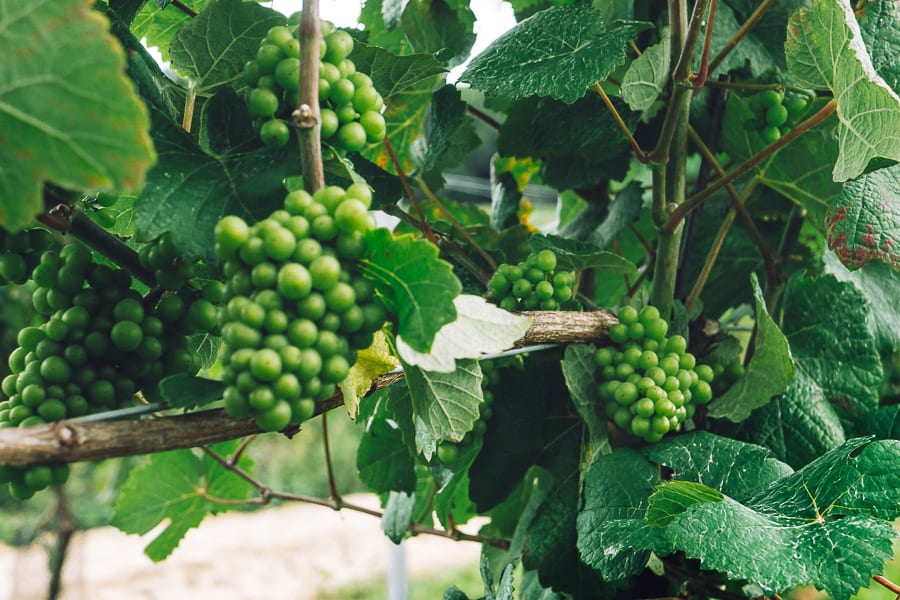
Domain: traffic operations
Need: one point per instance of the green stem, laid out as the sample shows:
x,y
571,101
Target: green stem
x,y
737,37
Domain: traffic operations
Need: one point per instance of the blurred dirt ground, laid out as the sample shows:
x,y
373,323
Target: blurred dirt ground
x,y
294,551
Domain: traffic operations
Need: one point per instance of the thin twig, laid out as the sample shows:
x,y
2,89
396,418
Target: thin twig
x,y
426,229
184,8
266,495
739,35
187,119
456,224
688,205
710,260
638,152
887,583
702,74
329,466
484,117
65,529
234,458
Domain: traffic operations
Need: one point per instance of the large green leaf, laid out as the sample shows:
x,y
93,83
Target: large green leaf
x,y
573,255
188,190
879,21
447,404
827,524
825,51
68,113
414,283
559,52
834,346
614,535
214,47
174,486
647,77
864,223
881,287
771,29
769,372
451,136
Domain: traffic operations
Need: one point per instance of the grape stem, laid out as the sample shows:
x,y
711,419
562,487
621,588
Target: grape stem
x,y
483,116
329,464
266,495
703,73
306,115
638,151
404,181
184,8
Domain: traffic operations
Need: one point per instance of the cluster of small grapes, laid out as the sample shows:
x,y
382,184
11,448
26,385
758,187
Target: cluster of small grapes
x,y
21,252
97,347
350,110
448,452
297,310
532,284
777,113
99,208
649,382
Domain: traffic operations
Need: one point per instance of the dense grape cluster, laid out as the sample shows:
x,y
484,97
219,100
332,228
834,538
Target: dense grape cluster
x,y
533,284
649,382
297,309
99,345
777,113
350,107
20,253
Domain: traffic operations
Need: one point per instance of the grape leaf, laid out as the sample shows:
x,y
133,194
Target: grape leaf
x,y
647,77
439,28
672,498
174,485
614,534
769,372
578,368
826,524
159,24
414,283
448,404
834,347
381,19
451,499
187,391
450,138
825,51
573,255
601,226
479,328
881,287
188,190
68,113
541,128
884,423
559,52
219,41
798,426
383,459
407,84
879,22
751,54
864,223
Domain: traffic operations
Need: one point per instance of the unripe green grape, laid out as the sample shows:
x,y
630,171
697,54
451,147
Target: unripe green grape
x,y
351,137
365,97
263,102
618,333
636,331
770,134
521,288
770,98
676,344
339,45
628,315
341,92
329,123
287,73
796,106
510,303
274,133
374,125
776,115
267,58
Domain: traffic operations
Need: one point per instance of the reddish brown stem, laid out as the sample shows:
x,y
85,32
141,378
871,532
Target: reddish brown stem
x,y
184,8
702,74
739,35
329,464
426,229
694,201
484,117
638,152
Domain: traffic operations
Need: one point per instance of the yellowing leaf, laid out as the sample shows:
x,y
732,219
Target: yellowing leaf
x,y
374,361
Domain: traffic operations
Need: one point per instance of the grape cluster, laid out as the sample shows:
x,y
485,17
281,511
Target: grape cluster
x,y
99,345
297,310
777,113
20,253
350,107
532,284
649,382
